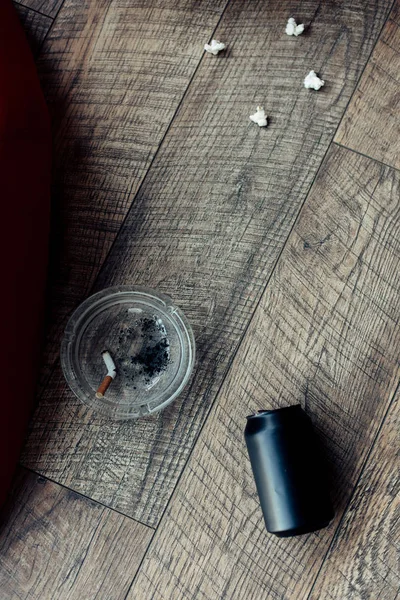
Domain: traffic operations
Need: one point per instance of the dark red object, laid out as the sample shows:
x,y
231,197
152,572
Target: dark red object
x,y
25,162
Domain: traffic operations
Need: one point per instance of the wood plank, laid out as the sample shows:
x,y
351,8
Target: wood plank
x,y
56,544
325,334
207,227
365,557
395,13
371,124
46,7
35,26
113,72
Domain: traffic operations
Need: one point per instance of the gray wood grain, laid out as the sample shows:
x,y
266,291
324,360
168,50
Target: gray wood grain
x,y
113,73
395,12
371,124
46,7
207,227
35,26
57,545
364,561
326,333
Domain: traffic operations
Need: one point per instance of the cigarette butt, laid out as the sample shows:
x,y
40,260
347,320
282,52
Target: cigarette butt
x,y
103,387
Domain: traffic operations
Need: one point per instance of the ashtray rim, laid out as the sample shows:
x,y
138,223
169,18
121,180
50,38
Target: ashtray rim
x,y
80,320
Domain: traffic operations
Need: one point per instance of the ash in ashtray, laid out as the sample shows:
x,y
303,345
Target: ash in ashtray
x,y
153,356
143,351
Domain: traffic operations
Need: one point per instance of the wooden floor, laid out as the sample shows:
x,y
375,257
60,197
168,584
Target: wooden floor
x,y
281,245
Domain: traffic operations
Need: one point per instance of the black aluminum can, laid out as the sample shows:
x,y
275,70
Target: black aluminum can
x,y
289,471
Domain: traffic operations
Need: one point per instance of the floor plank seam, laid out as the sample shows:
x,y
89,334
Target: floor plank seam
x,y
263,292
87,497
380,162
237,350
50,28
54,365
159,147
351,496
140,566
365,66
38,12
213,403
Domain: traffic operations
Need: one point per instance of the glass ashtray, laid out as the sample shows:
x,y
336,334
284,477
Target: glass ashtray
x,y
127,352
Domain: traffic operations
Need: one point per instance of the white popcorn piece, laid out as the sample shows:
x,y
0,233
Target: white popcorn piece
x,y
312,81
214,47
293,29
259,117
